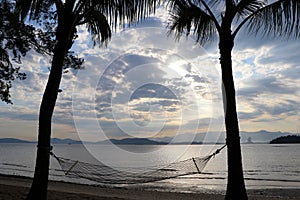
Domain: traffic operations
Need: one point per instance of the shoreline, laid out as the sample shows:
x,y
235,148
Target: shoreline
x,y
16,187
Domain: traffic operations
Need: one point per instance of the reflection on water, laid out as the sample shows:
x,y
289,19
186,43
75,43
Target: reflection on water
x,y
265,166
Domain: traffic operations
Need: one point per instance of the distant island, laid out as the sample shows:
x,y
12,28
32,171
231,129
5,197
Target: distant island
x,y
53,141
289,139
132,141
125,141
14,140
258,137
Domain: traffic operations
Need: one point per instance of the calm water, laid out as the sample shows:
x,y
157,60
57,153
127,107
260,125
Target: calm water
x,y
265,166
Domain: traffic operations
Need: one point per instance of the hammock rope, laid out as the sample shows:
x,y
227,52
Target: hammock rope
x,y
121,175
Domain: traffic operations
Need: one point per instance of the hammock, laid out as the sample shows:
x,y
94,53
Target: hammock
x,y
104,174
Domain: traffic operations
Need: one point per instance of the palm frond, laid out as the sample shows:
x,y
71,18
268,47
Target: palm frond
x,y
32,8
100,15
23,7
98,27
246,7
123,11
212,3
109,14
186,17
281,18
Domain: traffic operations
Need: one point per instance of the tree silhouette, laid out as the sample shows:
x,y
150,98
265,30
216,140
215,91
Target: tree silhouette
x,y
223,19
15,42
17,39
100,17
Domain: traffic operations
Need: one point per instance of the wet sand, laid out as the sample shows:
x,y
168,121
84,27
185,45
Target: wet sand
x,y
15,187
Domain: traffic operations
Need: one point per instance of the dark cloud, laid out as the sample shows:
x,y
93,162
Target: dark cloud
x,y
266,85
197,78
277,94
249,115
152,90
282,52
292,72
288,108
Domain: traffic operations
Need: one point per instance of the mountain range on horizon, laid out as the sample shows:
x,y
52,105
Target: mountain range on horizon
x,y
262,136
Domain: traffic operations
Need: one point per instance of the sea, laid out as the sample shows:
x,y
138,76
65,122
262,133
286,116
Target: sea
x,y
266,166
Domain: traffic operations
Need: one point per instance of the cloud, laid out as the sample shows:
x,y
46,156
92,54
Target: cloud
x,y
269,85
144,81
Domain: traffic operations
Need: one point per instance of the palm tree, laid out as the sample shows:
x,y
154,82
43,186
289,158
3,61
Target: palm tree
x,y
100,17
208,19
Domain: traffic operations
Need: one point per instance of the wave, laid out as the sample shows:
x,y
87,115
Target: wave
x,y
23,170
246,178
14,165
251,175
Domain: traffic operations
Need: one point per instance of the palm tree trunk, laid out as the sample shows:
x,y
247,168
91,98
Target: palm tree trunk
x,y
235,184
39,185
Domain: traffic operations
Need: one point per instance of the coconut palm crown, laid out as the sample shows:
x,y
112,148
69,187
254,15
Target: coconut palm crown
x,y
100,18
210,20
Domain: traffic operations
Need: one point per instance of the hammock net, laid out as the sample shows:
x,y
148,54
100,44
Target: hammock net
x,y
120,175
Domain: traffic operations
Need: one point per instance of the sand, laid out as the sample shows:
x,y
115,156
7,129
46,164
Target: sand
x,y
14,187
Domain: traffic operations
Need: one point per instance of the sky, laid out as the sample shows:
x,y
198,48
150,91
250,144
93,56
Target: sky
x,y
145,84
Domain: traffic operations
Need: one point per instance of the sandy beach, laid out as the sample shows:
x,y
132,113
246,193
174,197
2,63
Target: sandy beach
x,y
14,187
